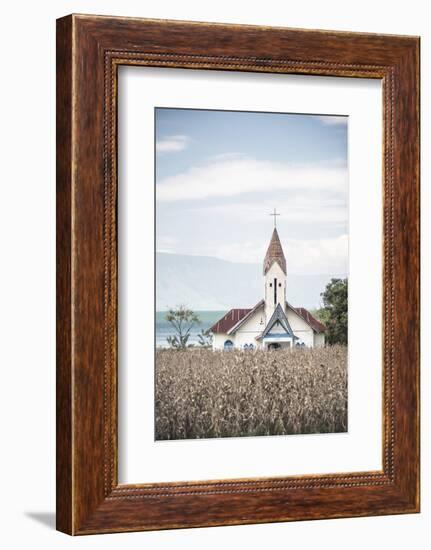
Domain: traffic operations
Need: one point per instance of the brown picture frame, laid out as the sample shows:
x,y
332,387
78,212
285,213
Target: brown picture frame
x,y
89,51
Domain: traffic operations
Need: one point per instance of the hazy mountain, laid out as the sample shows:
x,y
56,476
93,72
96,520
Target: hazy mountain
x,y
205,283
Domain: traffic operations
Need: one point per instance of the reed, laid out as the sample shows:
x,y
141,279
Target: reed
x,y
205,394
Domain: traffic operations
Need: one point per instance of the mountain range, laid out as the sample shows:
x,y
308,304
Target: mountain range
x,y
203,283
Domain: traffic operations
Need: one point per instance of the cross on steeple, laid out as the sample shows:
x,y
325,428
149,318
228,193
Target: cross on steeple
x,y
275,217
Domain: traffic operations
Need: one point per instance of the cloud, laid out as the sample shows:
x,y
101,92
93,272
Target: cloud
x,y
167,244
301,208
229,177
315,256
247,251
333,120
172,144
226,156
230,198
303,256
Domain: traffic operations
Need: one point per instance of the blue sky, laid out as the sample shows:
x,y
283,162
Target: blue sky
x,y
219,174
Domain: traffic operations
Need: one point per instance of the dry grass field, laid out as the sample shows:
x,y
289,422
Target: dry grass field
x,y
202,394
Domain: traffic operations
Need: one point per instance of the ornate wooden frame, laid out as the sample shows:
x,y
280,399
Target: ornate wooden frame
x,y
89,51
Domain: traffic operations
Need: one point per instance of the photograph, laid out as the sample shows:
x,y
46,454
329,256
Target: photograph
x,y
251,271
213,321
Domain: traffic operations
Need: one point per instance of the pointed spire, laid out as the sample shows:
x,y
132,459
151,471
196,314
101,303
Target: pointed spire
x,y
274,254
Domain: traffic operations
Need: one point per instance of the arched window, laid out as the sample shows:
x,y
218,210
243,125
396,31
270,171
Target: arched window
x,y
228,345
300,345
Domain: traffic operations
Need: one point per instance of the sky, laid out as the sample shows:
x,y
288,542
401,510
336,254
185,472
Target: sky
x,y
219,175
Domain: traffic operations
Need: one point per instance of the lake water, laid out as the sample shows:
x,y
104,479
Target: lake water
x,y
164,329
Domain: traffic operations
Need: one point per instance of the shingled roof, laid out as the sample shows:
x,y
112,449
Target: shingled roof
x,y
274,254
312,321
229,320
232,318
238,316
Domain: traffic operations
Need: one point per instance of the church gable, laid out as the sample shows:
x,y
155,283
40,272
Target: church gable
x,y
278,324
235,319
278,328
229,320
250,320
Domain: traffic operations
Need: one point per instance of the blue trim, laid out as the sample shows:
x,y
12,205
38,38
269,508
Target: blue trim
x,y
279,316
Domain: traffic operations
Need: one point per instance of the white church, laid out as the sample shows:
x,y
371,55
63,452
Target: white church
x,y
272,323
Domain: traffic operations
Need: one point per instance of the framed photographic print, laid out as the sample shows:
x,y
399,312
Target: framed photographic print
x,y
237,274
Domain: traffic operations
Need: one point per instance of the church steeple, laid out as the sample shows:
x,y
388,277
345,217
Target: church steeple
x,y
275,274
274,254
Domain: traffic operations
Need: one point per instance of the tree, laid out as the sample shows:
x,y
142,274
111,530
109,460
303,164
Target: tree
x,y
205,338
182,320
334,314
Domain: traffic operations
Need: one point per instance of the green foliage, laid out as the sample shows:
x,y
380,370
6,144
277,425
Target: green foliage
x,y
334,314
182,320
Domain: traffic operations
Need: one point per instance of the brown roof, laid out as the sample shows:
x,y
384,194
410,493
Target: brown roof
x,y
231,318
312,321
274,254
234,316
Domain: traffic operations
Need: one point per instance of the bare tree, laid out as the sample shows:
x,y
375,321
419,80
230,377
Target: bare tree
x,y
205,338
182,320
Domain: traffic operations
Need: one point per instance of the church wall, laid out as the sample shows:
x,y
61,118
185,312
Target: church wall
x,y
253,327
219,340
250,329
300,328
319,340
245,335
